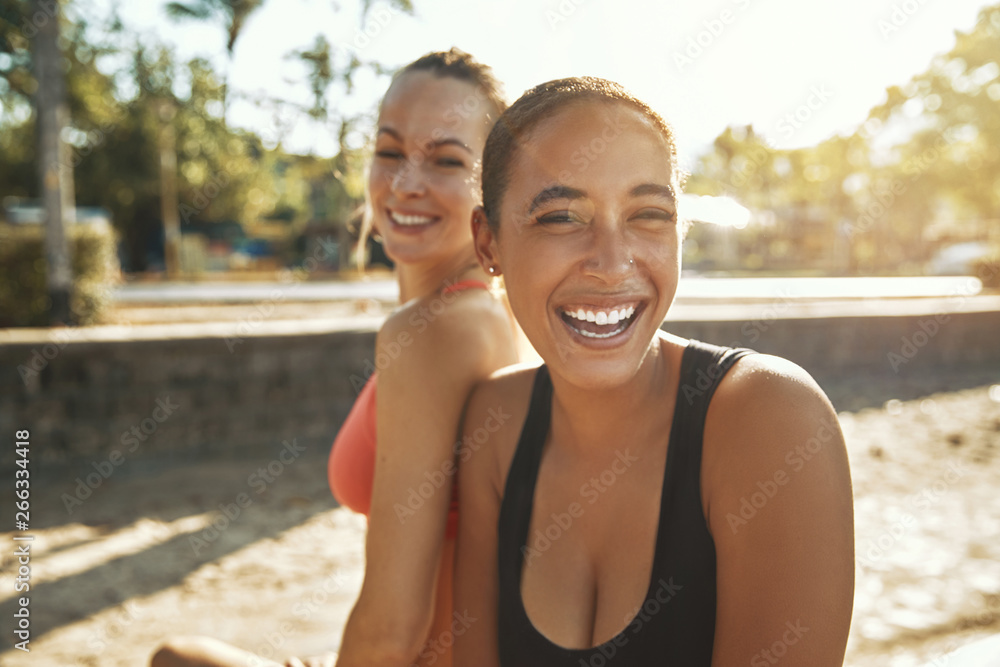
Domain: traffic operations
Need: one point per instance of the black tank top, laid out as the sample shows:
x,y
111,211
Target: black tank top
x,y
676,623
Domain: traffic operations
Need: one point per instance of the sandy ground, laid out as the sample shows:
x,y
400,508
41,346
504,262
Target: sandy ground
x,y
159,549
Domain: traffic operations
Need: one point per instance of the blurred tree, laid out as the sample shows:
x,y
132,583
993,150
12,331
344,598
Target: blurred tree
x,y
232,14
55,176
404,5
925,166
18,173
117,82
937,145
319,64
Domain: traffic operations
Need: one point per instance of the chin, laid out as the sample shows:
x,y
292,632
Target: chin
x,y
407,253
584,371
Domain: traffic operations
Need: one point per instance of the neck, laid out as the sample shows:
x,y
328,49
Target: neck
x,y
420,280
587,420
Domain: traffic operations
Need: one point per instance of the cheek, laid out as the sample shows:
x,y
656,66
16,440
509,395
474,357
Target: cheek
x,y
530,276
474,191
660,255
459,197
527,303
378,180
665,258
465,189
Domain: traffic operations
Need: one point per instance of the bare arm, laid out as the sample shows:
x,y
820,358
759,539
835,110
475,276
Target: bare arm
x,y
421,395
780,508
476,578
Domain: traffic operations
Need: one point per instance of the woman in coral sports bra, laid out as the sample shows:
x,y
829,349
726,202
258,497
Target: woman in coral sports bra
x,y
395,457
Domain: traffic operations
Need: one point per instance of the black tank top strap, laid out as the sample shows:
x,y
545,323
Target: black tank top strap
x,y
702,368
682,520
677,618
519,490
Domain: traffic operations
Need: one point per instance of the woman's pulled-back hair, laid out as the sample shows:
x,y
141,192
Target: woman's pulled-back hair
x,y
457,64
511,132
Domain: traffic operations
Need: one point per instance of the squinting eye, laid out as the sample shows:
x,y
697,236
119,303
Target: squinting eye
x,y
656,214
557,217
450,162
388,154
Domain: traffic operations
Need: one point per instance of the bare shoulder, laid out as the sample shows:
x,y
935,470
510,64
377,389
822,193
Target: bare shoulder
x,y
763,388
466,333
768,421
770,369
494,417
776,491
770,424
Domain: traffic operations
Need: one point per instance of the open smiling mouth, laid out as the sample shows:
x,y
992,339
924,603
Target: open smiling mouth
x,y
600,323
411,221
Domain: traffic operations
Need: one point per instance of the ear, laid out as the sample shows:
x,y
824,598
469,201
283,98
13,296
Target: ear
x,y
485,242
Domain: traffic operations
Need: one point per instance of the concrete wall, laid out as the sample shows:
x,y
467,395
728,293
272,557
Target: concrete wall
x,y
188,392
183,397
889,345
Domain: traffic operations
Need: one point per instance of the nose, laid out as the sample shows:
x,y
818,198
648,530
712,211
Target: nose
x,y
610,256
408,181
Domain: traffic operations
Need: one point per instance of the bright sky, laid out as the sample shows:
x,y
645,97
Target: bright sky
x,y
703,65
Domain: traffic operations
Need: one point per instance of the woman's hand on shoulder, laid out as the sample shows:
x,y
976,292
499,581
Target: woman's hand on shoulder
x,y
777,490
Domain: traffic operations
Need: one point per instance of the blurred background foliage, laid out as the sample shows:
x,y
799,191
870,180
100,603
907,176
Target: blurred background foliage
x,y
23,298
123,91
921,172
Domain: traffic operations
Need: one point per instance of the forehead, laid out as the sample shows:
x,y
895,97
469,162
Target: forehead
x,y
420,106
595,146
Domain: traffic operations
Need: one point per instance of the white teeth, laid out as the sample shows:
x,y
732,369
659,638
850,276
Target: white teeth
x,y
590,334
411,219
602,317
615,317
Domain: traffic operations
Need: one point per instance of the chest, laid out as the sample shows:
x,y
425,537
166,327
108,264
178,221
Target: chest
x,y
589,554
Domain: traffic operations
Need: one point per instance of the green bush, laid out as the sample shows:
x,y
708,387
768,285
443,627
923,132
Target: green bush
x,y
24,300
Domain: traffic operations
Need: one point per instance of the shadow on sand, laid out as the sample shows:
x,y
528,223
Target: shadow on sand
x,y
160,517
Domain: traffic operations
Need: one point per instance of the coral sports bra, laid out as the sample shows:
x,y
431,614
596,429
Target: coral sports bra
x,y
351,467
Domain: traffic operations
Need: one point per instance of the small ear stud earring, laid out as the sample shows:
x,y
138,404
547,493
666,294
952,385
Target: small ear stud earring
x,y
492,270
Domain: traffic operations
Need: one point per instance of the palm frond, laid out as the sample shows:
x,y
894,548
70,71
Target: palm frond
x,y
179,10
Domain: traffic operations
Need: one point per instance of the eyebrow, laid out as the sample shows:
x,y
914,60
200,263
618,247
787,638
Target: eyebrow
x,y
555,192
446,141
655,190
565,192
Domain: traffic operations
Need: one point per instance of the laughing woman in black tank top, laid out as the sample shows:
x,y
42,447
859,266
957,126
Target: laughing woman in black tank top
x,y
640,499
